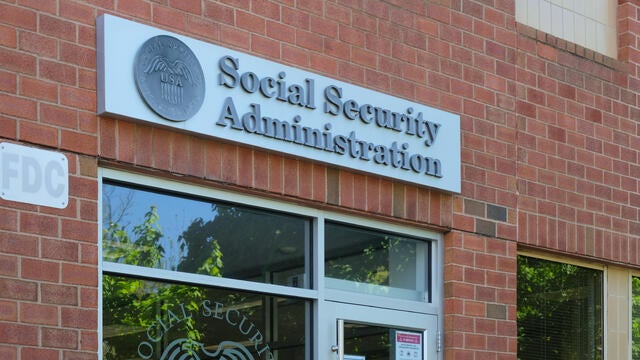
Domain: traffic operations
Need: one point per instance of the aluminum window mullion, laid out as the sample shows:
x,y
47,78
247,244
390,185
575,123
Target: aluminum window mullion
x,y
197,279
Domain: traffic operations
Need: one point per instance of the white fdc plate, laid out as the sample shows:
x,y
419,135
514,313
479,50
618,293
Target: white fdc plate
x,y
33,176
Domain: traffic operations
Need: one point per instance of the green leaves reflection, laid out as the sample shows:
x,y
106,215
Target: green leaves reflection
x,y
372,261
560,312
144,250
133,305
192,235
635,316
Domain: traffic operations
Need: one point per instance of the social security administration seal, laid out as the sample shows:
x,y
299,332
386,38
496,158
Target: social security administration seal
x,y
169,78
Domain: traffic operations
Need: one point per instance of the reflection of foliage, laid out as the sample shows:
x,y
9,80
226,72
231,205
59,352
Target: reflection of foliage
x,y
372,341
213,263
127,301
202,251
559,310
231,230
145,250
635,325
135,305
132,305
372,264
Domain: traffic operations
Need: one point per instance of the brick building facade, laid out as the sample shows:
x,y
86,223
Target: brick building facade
x,y
549,135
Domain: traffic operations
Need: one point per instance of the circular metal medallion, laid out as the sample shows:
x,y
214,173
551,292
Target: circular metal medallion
x,y
169,78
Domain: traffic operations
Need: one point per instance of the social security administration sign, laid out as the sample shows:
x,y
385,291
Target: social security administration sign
x,y
154,76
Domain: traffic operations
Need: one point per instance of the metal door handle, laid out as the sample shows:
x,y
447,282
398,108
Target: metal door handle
x,y
340,333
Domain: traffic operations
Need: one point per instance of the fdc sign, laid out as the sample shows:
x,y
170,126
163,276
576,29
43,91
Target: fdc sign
x,y
33,176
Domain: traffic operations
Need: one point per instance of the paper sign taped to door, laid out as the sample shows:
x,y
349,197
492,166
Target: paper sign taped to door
x,y
408,346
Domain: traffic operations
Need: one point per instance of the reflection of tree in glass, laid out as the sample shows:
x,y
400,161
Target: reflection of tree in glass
x,y
132,305
372,264
258,245
202,253
635,326
559,310
370,341
128,302
144,250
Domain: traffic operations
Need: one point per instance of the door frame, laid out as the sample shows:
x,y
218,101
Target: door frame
x,y
333,311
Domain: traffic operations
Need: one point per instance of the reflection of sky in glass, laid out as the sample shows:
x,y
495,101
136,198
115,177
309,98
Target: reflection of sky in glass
x,y
205,236
174,215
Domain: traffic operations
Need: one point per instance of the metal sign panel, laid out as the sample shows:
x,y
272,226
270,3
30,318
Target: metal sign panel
x,y
33,176
145,74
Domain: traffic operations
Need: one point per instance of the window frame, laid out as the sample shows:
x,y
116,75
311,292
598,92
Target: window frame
x,y
318,293
585,264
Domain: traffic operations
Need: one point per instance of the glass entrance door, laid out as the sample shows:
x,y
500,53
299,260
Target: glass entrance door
x,y
355,332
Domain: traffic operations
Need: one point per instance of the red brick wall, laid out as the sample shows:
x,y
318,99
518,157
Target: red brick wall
x,y
550,145
48,273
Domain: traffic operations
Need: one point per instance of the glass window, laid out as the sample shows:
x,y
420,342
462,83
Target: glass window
x,y
375,342
195,273
148,228
635,318
375,262
158,320
560,311
148,317
591,24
